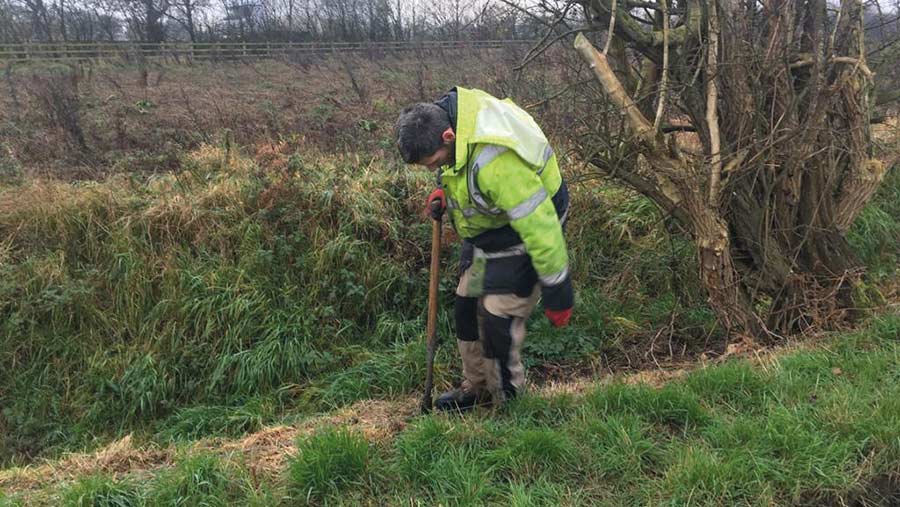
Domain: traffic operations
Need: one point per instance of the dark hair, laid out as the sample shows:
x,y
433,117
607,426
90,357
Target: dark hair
x,y
419,130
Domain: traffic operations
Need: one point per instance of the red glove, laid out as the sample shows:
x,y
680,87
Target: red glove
x,y
559,318
436,212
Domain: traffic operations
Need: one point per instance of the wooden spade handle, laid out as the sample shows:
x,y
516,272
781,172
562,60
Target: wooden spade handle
x,y
431,328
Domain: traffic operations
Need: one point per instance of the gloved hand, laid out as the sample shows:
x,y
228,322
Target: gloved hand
x,y
559,300
436,204
559,318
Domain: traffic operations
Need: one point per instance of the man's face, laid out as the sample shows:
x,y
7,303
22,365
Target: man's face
x,y
443,156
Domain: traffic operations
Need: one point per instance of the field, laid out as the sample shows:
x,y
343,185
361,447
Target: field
x,y
212,291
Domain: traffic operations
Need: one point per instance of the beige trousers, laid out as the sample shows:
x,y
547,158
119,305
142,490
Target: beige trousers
x,y
501,319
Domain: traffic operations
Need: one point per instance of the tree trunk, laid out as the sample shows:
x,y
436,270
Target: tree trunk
x,y
718,274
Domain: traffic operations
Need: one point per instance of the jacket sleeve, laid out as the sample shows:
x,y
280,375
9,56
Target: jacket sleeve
x,y
517,190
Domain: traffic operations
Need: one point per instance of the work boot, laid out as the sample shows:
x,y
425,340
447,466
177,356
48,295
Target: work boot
x,y
462,399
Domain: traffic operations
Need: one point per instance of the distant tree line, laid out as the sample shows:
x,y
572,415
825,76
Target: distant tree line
x,y
155,21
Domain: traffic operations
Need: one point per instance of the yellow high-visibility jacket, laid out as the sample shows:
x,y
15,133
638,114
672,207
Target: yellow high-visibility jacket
x,y
506,174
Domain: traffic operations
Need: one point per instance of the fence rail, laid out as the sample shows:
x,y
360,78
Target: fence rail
x,y
226,50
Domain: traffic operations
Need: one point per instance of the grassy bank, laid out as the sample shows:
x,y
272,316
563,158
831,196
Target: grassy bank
x,y
816,426
251,286
216,299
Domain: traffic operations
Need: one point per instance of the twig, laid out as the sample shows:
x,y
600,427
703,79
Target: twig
x,y
533,16
557,94
837,25
530,58
883,47
648,5
883,23
535,51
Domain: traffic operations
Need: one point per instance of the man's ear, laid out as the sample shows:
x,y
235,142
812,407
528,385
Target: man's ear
x,y
448,136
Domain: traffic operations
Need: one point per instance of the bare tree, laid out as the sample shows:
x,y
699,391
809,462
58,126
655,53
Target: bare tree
x,y
13,27
331,20
41,26
452,17
81,25
145,19
61,16
379,20
778,97
882,23
108,25
185,13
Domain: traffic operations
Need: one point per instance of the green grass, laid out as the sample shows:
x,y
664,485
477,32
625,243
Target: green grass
x,y
102,491
6,501
196,481
196,422
205,289
397,370
726,435
875,234
327,463
813,427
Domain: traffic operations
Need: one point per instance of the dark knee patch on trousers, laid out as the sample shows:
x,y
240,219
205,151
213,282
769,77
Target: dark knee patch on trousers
x,y
466,313
497,333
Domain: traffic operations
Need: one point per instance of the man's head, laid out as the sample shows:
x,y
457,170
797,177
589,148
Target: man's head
x,y
425,136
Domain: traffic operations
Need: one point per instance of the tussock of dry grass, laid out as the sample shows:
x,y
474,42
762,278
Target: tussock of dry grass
x,y
119,457
266,450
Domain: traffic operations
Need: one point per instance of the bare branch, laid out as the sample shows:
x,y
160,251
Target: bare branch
x,y
528,13
663,83
668,129
604,73
883,24
632,4
837,24
884,46
537,49
712,98
807,61
628,26
612,27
